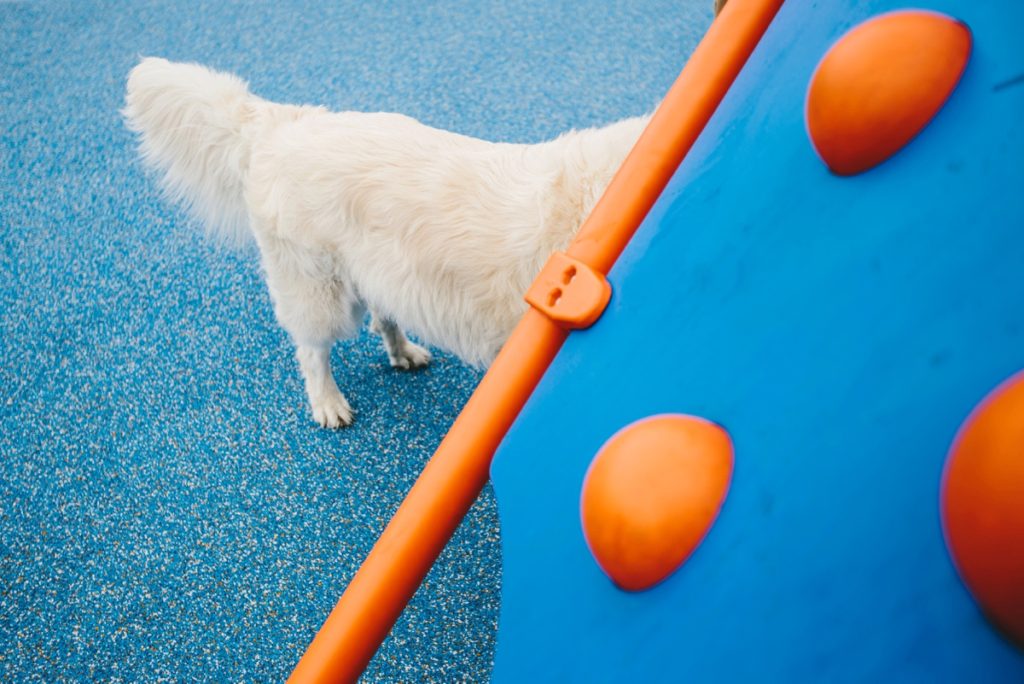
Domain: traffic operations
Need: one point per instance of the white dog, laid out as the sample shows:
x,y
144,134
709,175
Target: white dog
x,y
433,232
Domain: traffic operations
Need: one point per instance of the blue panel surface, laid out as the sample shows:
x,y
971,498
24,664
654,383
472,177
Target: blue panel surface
x,y
841,329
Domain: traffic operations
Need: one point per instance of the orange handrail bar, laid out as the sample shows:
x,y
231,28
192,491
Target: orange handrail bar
x,y
458,471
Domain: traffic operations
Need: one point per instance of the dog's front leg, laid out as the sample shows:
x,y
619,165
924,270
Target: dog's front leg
x,y
330,408
401,351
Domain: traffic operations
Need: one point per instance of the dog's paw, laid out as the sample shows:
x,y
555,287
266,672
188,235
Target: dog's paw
x,y
411,356
332,411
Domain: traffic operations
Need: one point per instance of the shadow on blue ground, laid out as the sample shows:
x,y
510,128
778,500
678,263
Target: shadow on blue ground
x,y
167,508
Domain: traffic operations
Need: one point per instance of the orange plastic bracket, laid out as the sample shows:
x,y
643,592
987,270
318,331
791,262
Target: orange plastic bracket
x,y
569,292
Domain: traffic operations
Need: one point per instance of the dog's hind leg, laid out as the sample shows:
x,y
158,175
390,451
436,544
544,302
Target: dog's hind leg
x,y
401,352
329,406
317,306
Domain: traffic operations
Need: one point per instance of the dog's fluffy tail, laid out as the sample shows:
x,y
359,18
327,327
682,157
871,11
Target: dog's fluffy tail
x,y
194,127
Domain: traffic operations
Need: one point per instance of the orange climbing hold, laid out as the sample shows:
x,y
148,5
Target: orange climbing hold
x,y
651,495
880,84
983,506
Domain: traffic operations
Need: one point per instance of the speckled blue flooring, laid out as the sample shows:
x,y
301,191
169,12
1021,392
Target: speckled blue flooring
x,y
168,511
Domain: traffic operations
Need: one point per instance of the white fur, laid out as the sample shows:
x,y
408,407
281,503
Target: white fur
x,y
436,233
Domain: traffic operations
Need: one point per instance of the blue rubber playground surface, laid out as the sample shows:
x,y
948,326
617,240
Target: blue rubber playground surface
x,y
168,510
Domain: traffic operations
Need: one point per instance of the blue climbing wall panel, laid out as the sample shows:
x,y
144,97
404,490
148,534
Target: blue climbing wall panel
x,y
841,329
